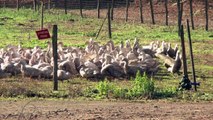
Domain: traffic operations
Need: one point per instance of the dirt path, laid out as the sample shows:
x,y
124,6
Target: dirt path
x,y
93,110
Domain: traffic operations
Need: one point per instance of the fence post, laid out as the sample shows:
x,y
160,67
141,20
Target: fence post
x,y
109,22
192,15
191,55
207,16
80,1
65,6
17,5
42,14
166,9
141,11
98,8
152,12
127,9
55,56
34,4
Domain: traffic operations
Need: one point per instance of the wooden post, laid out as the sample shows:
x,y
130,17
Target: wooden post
x,y
152,12
192,15
109,22
191,55
80,3
98,8
42,14
34,4
141,11
65,6
207,16
17,5
167,14
55,56
127,9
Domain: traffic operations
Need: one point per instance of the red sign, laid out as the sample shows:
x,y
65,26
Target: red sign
x,y
43,34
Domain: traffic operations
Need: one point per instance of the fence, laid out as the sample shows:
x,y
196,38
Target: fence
x,y
163,12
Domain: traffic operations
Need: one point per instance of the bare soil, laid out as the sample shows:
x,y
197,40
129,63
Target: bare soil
x,y
100,110
159,13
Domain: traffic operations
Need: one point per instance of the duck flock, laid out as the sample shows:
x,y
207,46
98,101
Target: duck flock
x,y
95,61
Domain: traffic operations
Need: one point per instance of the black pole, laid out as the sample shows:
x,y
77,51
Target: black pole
x,y
207,16
98,8
152,12
65,6
127,9
112,9
185,82
55,56
192,15
183,52
81,8
179,16
109,22
166,10
191,55
141,11
42,14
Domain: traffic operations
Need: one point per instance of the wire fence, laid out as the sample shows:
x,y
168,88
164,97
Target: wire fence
x,y
162,12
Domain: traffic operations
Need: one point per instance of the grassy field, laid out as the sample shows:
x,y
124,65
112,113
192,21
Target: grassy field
x,y
18,27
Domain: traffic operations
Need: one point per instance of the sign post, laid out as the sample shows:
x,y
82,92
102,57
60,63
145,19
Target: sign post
x,y
42,14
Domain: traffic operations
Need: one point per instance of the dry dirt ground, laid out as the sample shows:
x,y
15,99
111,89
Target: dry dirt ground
x,y
100,110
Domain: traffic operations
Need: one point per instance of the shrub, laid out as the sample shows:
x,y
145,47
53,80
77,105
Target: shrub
x,y
142,87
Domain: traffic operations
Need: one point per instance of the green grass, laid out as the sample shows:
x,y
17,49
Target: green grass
x,y
74,31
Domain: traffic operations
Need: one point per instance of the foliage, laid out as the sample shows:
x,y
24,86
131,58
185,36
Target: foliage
x,y
142,86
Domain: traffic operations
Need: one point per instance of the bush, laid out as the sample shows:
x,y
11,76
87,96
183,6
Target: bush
x,y
142,87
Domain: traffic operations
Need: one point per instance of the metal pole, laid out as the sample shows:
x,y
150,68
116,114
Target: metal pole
x,y
192,15
191,55
98,8
166,9
55,56
152,12
65,6
127,9
141,11
109,22
185,82
112,9
42,14
207,16
81,8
